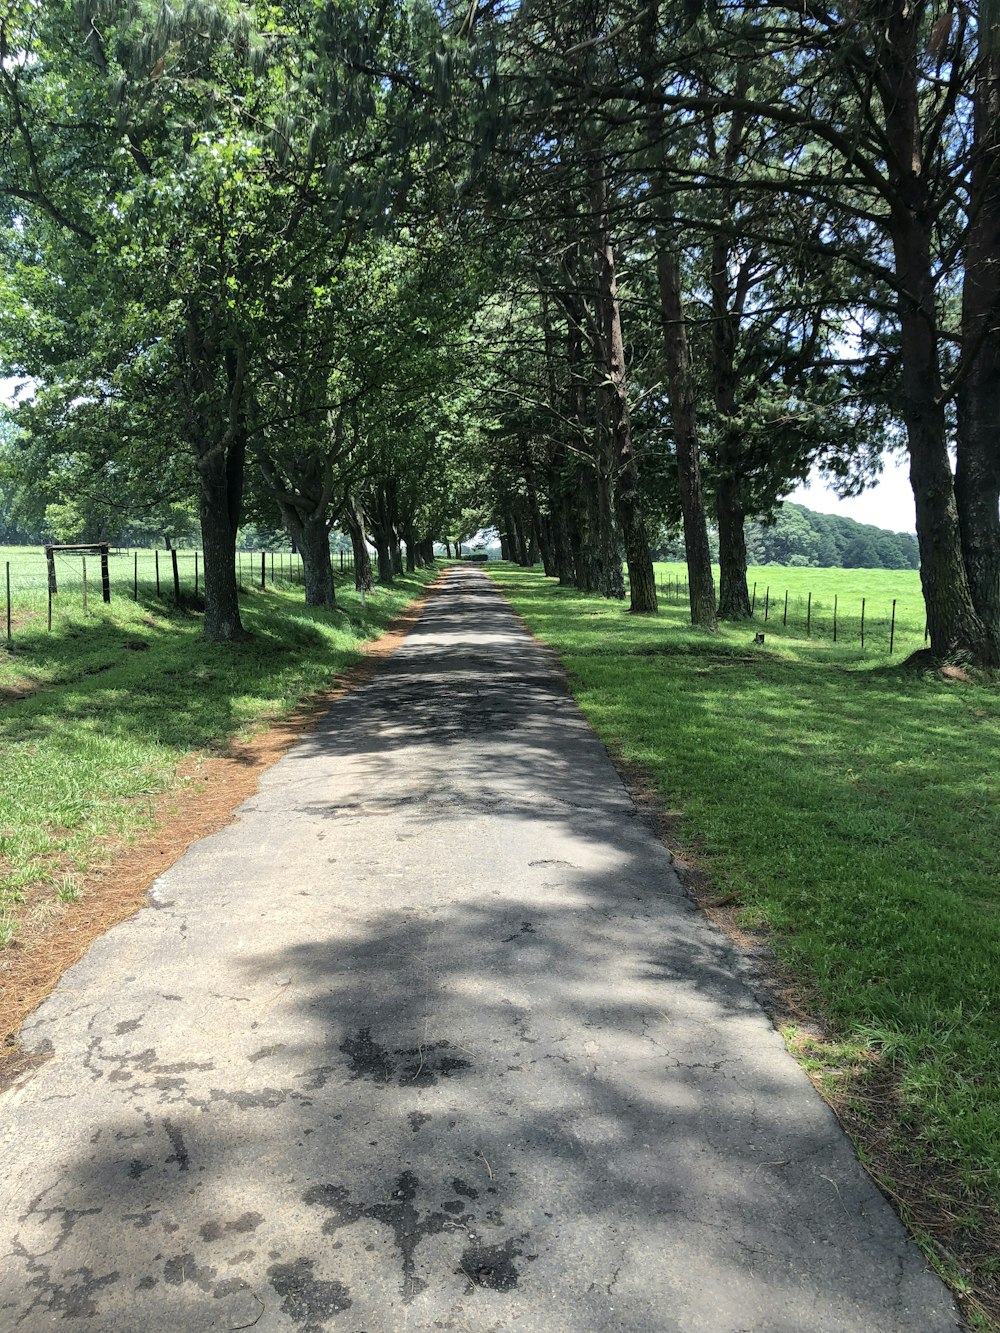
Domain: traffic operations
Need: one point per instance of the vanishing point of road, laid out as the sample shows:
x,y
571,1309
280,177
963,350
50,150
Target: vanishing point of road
x,y
430,1038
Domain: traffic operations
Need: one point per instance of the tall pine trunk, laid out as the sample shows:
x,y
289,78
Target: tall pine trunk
x,y
624,476
956,630
977,473
701,582
682,411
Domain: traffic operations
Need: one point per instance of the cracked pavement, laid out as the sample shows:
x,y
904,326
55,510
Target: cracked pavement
x,y
430,1037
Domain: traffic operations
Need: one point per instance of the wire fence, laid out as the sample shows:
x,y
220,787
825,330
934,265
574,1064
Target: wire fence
x,y
873,622
173,577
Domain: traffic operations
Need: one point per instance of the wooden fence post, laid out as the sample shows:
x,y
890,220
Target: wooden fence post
x,y
835,617
263,570
105,576
156,557
892,627
177,576
135,576
862,622
9,640
809,617
784,618
767,603
753,599
84,561
50,560
196,573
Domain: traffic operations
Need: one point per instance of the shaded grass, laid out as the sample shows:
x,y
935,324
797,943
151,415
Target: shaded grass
x,y
853,808
114,701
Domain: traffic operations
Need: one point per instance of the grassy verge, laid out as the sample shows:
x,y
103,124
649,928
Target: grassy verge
x,y
99,715
852,808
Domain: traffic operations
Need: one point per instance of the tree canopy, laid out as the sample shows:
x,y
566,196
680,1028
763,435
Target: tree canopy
x,y
584,272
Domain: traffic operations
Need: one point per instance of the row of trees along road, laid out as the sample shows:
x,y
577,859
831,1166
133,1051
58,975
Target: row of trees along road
x,y
591,272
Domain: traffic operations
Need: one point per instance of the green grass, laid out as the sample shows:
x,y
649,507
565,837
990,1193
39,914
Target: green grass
x,y
854,809
844,587
103,726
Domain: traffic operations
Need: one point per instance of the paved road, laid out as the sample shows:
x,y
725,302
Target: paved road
x,y
430,1038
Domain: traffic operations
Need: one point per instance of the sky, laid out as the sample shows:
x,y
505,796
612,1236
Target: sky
x,y
887,505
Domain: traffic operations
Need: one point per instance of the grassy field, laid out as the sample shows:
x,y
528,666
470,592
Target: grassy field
x,y
130,571
831,589
853,810
97,715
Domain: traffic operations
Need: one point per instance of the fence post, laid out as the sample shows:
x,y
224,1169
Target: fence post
x,y
263,570
784,618
892,627
156,555
272,568
196,573
341,562
835,617
50,560
753,599
84,562
767,603
50,608
177,576
105,576
809,617
135,575
862,622
8,605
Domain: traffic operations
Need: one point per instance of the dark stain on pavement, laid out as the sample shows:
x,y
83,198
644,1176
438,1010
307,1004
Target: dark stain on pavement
x,y
526,929
399,1213
416,1119
307,1300
492,1266
183,1268
425,1064
180,1153
243,1224
368,1059
72,1302
421,1066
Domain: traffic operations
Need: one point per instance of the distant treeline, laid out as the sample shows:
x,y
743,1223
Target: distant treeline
x,y
800,537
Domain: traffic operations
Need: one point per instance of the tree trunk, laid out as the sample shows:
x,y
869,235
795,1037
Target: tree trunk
x,y
562,550
216,502
954,627
625,478
539,537
675,344
354,520
220,448
734,596
311,535
411,547
977,473
682,411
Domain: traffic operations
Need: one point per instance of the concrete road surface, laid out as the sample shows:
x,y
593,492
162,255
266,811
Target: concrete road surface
x,y
431,1038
